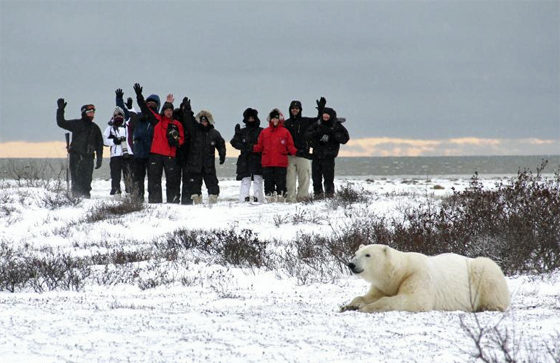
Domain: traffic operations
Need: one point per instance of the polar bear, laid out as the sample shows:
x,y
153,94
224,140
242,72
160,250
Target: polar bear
x,y
408,281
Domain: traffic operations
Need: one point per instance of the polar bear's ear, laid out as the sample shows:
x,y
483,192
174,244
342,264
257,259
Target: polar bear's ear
x,y
362,246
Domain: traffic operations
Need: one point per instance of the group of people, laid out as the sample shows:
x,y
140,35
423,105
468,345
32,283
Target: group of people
x,y
285,156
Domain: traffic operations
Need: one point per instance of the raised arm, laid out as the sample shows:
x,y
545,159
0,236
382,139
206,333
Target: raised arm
x,y
60,120
120,102
146,111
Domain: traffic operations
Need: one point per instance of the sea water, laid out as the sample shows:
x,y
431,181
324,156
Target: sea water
x,y
361,167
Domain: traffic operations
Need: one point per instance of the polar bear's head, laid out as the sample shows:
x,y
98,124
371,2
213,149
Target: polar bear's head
x,y
371,261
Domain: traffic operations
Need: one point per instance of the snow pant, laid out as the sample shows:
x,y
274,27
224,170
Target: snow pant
x,y
274,180
156,165
120,166
192,184
298,169
81,171
245,190
323,169
139,169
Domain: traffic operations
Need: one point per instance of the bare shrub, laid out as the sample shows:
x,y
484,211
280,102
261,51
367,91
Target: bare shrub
x,y
110,210
348,195
60,200
20,270
497,344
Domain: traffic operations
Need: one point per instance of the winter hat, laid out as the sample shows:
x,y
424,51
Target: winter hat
x,y
118,111
297,104
87,108
250,112
205,114
167,105
275,113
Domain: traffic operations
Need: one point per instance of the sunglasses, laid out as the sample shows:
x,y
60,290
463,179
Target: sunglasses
x,y
90,111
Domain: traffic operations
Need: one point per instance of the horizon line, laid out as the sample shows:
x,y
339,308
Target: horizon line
x,y
362,147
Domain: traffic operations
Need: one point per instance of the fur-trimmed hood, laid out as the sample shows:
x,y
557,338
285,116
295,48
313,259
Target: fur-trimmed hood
x,y
280,118
206,114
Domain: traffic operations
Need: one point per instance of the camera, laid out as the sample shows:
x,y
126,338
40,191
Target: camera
x,y
124,147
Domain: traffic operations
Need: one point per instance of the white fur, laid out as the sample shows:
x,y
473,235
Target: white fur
x,y
407,281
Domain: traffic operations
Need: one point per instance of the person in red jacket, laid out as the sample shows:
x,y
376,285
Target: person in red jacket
x,y
168,136
275,143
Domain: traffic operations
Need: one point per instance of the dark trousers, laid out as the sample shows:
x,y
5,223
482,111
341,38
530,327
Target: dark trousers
x,y
156,166
192,184
120,166
323,169
81,170
275,180
139,169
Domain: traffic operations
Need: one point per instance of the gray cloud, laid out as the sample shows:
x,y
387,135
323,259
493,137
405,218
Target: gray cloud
x,y
422,70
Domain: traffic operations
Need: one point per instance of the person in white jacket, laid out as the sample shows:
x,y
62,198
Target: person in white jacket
x,y
116,136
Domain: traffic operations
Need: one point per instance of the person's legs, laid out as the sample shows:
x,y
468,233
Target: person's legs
x,y
328,174
316,172
211,182
195,187
128,174
245,188
139,167
116,168
172,179
280,178
292,174
186,193
155,172
258,188
304,178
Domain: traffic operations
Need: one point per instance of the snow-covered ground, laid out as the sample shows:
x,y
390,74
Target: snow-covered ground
x,y
228,314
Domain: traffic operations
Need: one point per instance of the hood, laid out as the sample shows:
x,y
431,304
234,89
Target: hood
x,y
167,105
332,113
281,117
297,104
156,99
206,114
254,113
86,108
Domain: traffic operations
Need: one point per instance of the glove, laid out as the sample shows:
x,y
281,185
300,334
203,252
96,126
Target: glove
x,y
119,92
117,141
324,138
222,160
138,89
321,104
237,129
98,164
128,103
186,103
61,104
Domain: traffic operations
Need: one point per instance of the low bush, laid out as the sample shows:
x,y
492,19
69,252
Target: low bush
x,y
110,210
515,223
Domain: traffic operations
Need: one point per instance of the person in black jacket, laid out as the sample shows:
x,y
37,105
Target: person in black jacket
x,y
142,134
203,140
299,165
325,137
249,167
86,142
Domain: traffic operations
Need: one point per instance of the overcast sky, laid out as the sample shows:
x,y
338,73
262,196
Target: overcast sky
x,y
399,70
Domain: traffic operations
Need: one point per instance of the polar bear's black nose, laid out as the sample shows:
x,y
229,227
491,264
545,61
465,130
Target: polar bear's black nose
x,y
351,266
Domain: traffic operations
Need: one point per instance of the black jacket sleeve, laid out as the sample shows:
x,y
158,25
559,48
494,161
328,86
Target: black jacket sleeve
x,y
63,123
221,146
